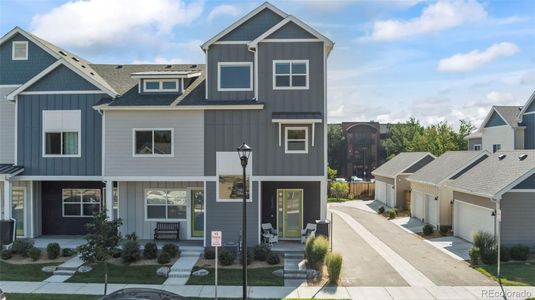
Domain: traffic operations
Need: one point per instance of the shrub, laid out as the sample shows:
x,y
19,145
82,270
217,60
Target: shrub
x,y
392,214
52,250
396,210
6,254
164,258
520,252
34,253
320,248
131,236
130,252
474,255
334,266
226,257
209,253
381,210
150,251
249,258
261,252
171,249
339,189
428,229
505,253
116,252
273,258
21,247
67,252
443,229
487,247
308,246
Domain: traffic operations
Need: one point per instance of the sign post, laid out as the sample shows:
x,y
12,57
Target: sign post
x,y
216,243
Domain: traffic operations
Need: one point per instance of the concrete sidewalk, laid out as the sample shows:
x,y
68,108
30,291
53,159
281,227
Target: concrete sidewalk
x,y
260,292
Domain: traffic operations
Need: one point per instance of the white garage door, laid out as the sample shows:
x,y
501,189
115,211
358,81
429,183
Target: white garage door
x,y
417,205
390,195
380,191
469,218
431,210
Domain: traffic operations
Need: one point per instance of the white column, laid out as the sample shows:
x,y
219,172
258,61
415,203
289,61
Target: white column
x,y
323,199
109,199
7,199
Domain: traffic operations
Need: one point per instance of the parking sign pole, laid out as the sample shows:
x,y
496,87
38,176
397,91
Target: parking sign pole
x,y
216,263
216,243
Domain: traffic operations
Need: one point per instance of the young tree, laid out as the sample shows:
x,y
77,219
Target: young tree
x,y
339,189
103,236
331,173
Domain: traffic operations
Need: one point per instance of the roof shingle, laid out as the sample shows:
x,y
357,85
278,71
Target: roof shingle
x,y
399,163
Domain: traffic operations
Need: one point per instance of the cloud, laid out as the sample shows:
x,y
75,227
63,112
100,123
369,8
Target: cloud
x,y
337,5
97,23
224,10
462,62
498,98
160,60
192,45
528,79
436,17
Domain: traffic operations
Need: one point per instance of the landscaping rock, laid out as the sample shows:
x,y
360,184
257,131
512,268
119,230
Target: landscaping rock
x,y
162,271
200,273
313,274
49,269
84,269
279,273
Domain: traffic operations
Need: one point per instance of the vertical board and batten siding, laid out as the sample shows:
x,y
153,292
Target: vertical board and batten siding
x,y
61,79
227,53
227,216
291,31
254,27
30,135
518,224
7,127
188,142
527,184
495,120
528,121
20,71
132,206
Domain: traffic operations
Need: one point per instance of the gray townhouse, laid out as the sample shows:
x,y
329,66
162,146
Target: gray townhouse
x,y
157,143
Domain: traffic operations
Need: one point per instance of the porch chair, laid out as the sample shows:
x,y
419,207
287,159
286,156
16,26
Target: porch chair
x,y
269,234
309,230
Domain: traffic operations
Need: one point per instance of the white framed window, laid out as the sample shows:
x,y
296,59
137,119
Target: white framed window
x,y
477,147
296,140
235,76
153,142
290,75
161,85
166,204
61,133
81,202
496,147
19,50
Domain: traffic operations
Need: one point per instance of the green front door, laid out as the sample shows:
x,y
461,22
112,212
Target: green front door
x,y
290,212
197,213
17,212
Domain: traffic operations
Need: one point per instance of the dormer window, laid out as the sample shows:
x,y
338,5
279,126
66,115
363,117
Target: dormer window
x,y
163,85
19,50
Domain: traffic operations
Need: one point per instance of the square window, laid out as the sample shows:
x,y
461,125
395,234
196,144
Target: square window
x,y
152,85
299,81
169,85
153,142
71,209
19,50
143,142
296,140
290,74
235,76
299,68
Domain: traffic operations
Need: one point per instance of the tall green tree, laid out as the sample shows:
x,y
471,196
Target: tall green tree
x,y
401,137
336,147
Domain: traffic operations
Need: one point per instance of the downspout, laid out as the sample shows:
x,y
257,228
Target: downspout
x,y
255,77
498,219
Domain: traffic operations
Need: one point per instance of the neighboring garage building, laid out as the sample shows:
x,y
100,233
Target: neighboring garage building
x,y
505,181
391,177
431,195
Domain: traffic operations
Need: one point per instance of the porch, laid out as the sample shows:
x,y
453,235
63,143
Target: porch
x,y
288,247
73,241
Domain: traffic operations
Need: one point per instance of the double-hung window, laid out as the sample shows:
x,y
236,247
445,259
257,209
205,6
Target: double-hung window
x,y
296,140
81,202
290,74
19,50
166,204
477,147
235,76
61,133
169,85
153,142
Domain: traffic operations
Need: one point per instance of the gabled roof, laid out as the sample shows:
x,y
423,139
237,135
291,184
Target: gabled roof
x,y
446,166
494,176
509,114
531,100
400,163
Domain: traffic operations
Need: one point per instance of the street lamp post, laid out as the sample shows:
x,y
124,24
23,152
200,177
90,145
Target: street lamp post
x,y
244,151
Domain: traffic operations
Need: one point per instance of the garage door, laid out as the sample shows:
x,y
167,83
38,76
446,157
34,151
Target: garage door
x,y
380,189
431,210
390,195
417,205
469,218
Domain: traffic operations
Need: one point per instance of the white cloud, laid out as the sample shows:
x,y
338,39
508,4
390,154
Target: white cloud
x,y
192,45
337,5
224,10
500,98
94,23
461,62
528,79
160,60
436,17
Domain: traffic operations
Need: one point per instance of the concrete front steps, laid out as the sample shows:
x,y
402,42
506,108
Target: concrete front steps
x,y
181,270
295,272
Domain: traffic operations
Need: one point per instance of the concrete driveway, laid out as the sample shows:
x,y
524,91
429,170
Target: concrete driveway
x,y
378,251
452,246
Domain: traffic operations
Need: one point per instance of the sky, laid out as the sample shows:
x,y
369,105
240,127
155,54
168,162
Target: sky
x,y
431,60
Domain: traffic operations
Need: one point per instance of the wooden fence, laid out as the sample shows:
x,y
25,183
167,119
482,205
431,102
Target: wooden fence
x,y
362,189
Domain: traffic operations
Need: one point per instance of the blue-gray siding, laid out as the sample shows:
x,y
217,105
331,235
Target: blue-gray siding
x,y
62,79
227,216
531,107
20,71
528,184
253,27
495,120
30,135
291,31
227,53
528,120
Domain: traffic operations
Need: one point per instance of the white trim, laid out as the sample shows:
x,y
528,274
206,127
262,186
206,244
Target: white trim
x,y
165,75
145,205
288,178
256,76
16,146
103,146
25,202
134,154
289,40
286,150
522,191
25,43
160,85
81,203
475,205
57,178
230,43
158,178
61,92
190,213
258,106
529,113
297,121
61,132
324,194
290,74
205,235
259,211
234,64
9,85
32,233
206,75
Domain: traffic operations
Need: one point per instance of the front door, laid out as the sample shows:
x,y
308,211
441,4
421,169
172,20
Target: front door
x,y
18,197
290,213
197,213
